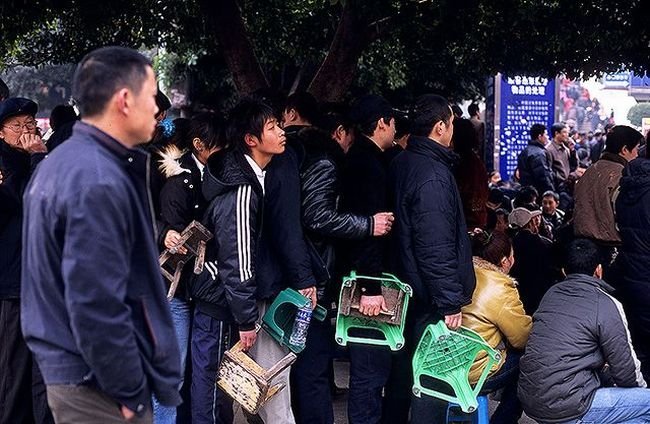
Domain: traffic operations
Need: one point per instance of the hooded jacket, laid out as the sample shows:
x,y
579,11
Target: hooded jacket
x,y
578,328
433,249
633,217
181,200
226,289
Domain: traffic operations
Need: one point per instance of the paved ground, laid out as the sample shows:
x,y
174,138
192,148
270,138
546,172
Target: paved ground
x,y
341,371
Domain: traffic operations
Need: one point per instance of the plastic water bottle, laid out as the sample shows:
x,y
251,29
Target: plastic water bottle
x,y
300,326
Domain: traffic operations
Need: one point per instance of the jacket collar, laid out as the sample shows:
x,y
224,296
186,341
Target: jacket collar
x,y
536,143
428,147
612,157
123,153
593,281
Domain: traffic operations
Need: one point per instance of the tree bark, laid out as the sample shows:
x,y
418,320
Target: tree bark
x,y
225,19
338,69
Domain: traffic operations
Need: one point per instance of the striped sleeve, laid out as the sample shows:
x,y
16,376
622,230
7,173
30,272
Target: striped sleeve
x,y
244,232
616,343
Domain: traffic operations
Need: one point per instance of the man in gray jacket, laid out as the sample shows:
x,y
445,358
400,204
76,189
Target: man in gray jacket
x,y
579,364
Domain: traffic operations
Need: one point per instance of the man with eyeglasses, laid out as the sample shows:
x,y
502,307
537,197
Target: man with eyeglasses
x,y
21,149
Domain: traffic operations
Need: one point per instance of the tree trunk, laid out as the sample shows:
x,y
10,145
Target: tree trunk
x,y
225,19
338,69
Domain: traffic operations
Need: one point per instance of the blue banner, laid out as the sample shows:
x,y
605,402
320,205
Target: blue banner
x,y
524,101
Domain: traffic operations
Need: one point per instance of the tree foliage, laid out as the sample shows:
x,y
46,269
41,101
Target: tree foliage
x,y
637,112
399,47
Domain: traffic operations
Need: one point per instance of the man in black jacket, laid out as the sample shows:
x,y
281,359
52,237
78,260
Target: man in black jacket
x,y
432,246
579,364
21,149
365,193
99,322
535,163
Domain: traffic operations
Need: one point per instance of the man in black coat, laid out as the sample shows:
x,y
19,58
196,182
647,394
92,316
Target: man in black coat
x,y
432,246
365,193
21,150
535,163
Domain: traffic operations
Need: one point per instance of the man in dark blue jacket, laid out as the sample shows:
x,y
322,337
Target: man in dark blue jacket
x,y
434,256
535,163
99,323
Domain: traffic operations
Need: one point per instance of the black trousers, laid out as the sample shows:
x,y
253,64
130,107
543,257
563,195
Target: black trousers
x,y
311,396
22,392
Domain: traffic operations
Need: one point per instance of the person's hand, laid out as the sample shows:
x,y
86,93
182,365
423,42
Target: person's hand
x,y
454,321
127,413
383,223
372,305
247,339
32,143
173,242
310,293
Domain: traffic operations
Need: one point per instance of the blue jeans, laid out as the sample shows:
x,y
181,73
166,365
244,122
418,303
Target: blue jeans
x,y
617,405
181,316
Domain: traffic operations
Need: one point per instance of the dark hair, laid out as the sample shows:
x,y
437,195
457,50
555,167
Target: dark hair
x,y
492,247
181,128
102,72
368,128
464,138
402,125
305,104
332,120
551,193
527,194
556,128
457,111
247,117
427,111
472,109
208,127
582,257
622,136
4,90
62,114
536,130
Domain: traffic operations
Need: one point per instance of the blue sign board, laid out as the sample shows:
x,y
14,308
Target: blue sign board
x,y
524,101
639,81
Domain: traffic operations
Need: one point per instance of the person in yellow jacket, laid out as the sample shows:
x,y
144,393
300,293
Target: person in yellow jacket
x,y
497,314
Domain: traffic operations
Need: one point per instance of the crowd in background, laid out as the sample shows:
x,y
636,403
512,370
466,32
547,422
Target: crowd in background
x,y
296,195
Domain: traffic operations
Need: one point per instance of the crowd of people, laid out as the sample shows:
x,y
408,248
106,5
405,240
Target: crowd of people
x,y
547,267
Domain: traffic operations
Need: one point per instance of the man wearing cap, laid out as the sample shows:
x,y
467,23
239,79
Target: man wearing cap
x,y
365,192
432,247
21,149
534,267
99,322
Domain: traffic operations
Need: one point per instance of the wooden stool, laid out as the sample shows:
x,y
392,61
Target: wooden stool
x,y
244,380
193,238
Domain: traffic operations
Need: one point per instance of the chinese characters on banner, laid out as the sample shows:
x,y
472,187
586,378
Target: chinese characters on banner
x,y
524,101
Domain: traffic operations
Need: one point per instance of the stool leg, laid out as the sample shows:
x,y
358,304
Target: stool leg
x,y
483,412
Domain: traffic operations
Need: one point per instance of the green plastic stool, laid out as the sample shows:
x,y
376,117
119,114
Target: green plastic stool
x,y
448,356
390,325
278,319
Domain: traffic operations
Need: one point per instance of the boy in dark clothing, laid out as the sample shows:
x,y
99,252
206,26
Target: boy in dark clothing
x,y
226,304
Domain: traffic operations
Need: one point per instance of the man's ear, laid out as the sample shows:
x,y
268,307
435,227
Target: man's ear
x,y
250,140
122,99
291,113
599,271
198,144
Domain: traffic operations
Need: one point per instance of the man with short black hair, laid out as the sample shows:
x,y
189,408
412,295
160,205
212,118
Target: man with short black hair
x,y
596,191
579,364
434,252
365,193
99,321
479,126
534,162
559,150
